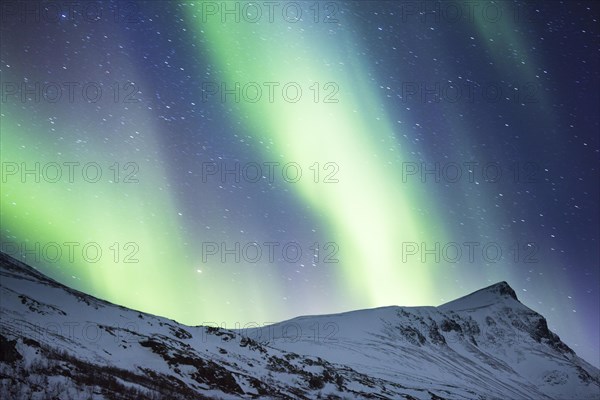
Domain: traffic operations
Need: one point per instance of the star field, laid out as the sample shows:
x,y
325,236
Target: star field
x,y
233,167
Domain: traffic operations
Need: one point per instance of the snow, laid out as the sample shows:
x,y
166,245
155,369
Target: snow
x,y
484,345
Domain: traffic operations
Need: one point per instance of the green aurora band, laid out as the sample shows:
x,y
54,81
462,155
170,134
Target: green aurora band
x,y
369,212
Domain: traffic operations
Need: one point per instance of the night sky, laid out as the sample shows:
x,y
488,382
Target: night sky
x,y
239,162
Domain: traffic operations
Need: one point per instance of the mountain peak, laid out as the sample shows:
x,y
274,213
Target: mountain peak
x,y
388,352
494,294
501,288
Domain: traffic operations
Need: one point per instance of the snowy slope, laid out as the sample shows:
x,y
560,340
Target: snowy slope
x,y
486,345
58,343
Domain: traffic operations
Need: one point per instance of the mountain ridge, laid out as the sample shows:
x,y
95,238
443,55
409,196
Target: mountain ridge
x,y
501,288
484,297
59,342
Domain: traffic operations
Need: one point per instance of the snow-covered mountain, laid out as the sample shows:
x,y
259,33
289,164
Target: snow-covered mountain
x,y
58,343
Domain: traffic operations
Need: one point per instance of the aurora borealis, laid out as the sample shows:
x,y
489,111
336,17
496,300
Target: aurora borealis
x,y
398,146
